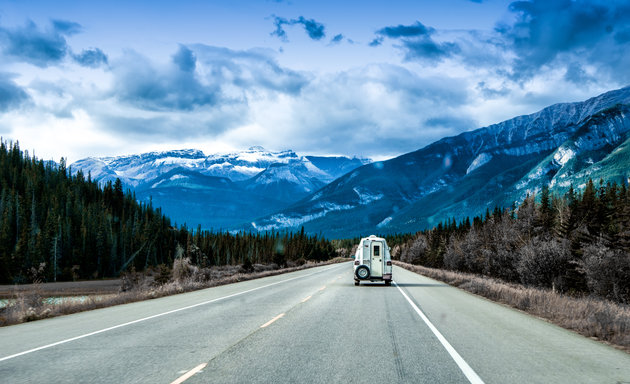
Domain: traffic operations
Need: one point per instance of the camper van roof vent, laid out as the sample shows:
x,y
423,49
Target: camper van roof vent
x,y
371,236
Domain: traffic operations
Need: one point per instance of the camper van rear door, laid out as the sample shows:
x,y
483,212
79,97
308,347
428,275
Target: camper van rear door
x,y
377,259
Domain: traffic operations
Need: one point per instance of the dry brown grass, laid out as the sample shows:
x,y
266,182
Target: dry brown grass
x,y
596,318
30,305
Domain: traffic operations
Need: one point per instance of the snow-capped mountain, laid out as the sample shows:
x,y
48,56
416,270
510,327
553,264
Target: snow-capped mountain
x,y
134,170
219,190
463,175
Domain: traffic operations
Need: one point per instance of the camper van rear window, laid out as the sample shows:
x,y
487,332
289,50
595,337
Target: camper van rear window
x,y
377,250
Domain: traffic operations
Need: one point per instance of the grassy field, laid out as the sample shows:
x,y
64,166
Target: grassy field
x,y
595,318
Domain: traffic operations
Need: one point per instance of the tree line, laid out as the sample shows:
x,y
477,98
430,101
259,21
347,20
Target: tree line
x,y
577,243
56,225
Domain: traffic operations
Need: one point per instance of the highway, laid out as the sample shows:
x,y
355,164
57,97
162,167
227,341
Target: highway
x,y
310,326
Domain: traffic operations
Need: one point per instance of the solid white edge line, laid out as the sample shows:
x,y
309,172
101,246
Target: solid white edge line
x,y
189,374
157,315
470,374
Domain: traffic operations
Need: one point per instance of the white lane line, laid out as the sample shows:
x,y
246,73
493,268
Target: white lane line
x,y
271,321
158,315
322,288
189,374
306,299
470,374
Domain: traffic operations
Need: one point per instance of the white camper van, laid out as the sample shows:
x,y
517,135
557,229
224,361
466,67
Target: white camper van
x,y
372,261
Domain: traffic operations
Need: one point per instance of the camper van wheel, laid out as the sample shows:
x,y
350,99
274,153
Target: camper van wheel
x,y
362,272
357,282
388,282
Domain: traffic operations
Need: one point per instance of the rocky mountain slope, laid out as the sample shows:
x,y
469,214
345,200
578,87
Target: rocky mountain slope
x,y
474,171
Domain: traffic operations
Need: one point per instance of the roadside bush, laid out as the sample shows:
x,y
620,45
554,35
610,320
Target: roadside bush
x,y
280,259
131,280
247,266
454,257
501,257
544,262
607,272
163,275
183,269
416,251
472,259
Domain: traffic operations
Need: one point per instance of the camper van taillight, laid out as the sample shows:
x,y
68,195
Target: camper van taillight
x,y
356,262
389,263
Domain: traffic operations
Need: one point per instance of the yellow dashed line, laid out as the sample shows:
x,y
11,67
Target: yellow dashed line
x,y
271,321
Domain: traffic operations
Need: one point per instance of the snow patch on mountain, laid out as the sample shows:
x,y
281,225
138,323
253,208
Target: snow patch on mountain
x,y
279,221
479,161
186,162
366,197
563,155
384,222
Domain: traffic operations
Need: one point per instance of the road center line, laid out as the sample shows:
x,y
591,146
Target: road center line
x,y
322,288
470,374
271,321
158,315
306,299
189,374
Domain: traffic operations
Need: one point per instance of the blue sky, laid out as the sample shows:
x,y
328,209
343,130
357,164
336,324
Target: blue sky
x,y
373,79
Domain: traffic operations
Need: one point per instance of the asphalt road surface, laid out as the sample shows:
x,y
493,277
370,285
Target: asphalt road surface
x,y
310,326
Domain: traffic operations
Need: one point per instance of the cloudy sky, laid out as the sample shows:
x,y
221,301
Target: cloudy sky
x,y
366,78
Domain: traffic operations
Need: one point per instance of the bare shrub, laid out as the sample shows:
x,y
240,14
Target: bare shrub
x,y
607,272
183,269
472,259
163,275
416,251
543,262
131,280
454,257
502,242
395,252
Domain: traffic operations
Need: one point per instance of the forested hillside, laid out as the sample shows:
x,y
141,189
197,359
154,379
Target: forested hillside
x,y
576,243
59,226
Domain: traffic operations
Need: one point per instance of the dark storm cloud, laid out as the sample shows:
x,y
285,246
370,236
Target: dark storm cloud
x,y
548,30
139,83
417,42
395,32
11,95
92,58
45,47
67,28
35,46
314,29
228,77
185,59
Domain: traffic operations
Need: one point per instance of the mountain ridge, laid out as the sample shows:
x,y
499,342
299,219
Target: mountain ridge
x,y
465,174
218,190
